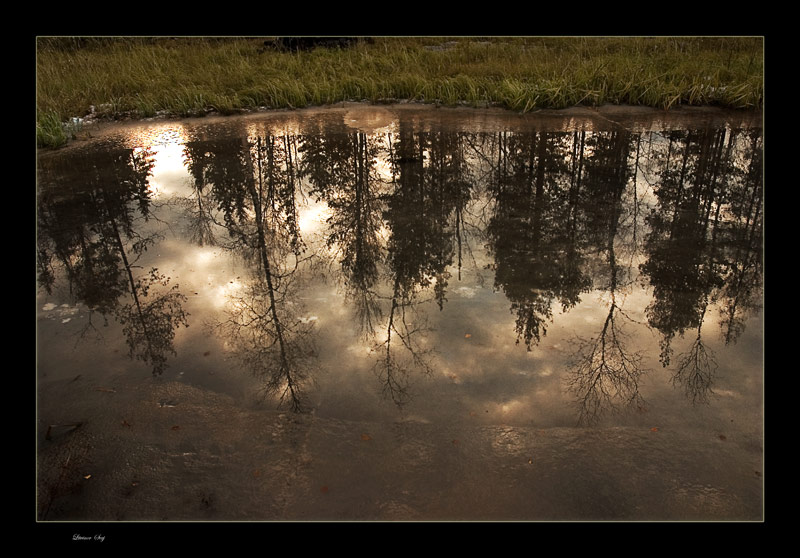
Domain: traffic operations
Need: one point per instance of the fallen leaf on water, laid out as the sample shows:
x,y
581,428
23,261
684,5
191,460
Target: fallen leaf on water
x,y
176,427
530,461
723,437
366,437
107,390
654,429
467,336
256,473
87,477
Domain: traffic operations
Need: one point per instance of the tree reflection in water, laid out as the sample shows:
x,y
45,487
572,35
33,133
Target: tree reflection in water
x,y
565,206
95,232
560,214
252,183
604,374
704,239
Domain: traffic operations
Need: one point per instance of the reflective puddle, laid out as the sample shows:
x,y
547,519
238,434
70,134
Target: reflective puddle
x,y
403,313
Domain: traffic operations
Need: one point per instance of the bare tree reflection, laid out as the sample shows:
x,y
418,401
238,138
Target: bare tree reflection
x,y
253,183
604,374
393,365
695,370
274,344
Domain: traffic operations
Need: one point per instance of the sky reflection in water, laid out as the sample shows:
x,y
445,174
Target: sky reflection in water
x,y
535,276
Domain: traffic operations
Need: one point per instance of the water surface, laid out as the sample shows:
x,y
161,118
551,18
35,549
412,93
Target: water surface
x,y
400,313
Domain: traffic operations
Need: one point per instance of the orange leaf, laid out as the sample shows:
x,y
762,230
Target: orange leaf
x,y
654,429
467,336
366,437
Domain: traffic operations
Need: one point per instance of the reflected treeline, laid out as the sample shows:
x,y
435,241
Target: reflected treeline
x,y
341,171
394,232
704,244
252,184
559,214
535,229
91,217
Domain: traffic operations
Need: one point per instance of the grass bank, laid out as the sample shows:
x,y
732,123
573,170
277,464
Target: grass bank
x,y
143,77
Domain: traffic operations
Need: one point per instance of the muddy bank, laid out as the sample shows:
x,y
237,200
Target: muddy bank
x,y
165,451
368,117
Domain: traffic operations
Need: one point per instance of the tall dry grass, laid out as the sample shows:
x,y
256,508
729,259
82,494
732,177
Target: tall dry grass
x,y
190,76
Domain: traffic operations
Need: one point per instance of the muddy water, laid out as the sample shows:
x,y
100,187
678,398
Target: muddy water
x,y
402,313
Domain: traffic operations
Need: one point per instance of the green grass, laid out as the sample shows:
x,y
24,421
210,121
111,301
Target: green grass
x,y
141,77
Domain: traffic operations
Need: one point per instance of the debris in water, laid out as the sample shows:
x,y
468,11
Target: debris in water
x,y
56,429
167,403
366,437
106,390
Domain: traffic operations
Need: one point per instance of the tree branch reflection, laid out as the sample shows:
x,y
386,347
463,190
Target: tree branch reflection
x,y
604,374
253,185
96,236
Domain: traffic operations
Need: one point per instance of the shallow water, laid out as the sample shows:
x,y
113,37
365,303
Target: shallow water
x,y
403,313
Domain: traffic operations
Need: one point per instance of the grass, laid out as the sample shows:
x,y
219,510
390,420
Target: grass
x,y
142,77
